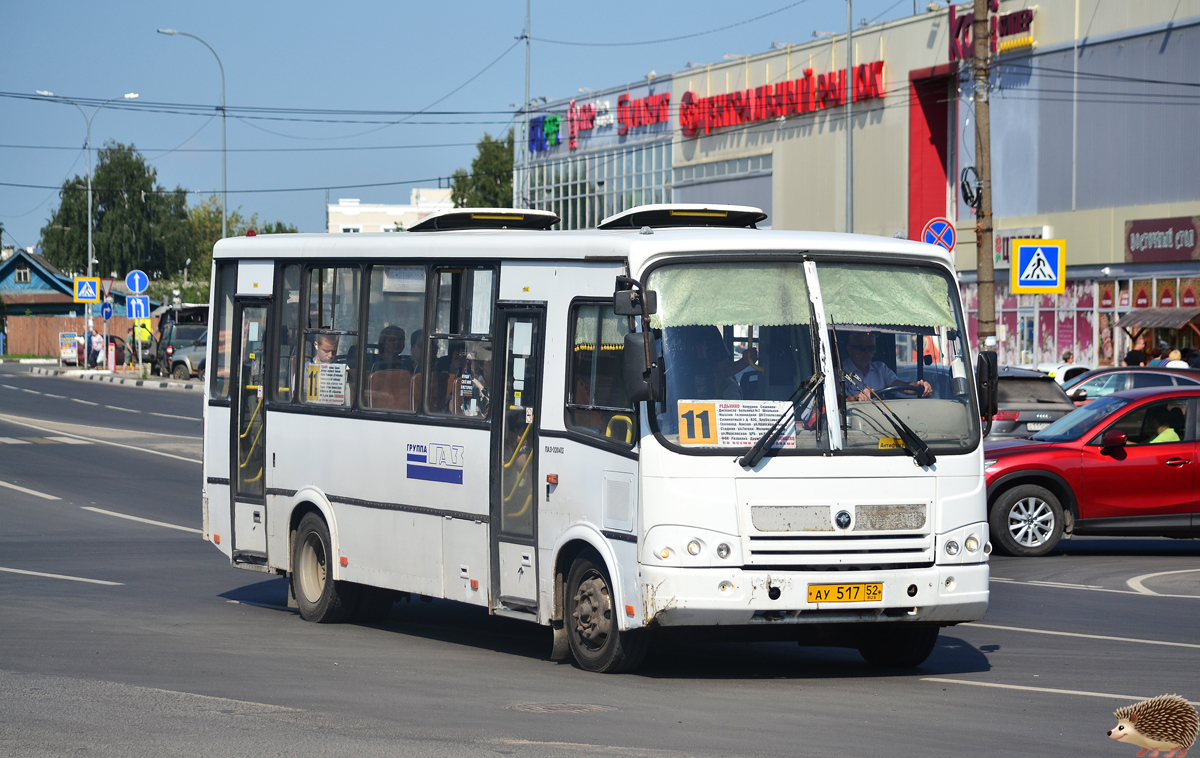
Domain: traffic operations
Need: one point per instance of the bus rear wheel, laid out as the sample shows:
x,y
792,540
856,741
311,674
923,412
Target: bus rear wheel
x,y
898,645
321,599
596,641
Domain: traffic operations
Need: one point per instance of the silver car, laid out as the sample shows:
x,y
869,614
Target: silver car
x,y
188,360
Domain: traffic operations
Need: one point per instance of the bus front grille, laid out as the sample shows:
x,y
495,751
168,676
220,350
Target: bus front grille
x,y
811,551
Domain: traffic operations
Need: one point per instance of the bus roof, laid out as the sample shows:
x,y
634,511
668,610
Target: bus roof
x,y
587,244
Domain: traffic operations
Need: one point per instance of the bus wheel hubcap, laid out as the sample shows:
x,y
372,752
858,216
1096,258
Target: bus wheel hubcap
x,y
312,569
593,611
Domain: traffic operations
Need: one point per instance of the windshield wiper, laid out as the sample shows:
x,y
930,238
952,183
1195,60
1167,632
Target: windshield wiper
x,y
768,438
912,444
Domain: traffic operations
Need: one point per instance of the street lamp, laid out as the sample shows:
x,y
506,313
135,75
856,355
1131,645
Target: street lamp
x,y
172,33
87,323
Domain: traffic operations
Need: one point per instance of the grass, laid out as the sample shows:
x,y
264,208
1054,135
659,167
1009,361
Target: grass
x,y
18,356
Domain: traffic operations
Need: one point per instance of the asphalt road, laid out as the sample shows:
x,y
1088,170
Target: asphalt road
x,y
166,650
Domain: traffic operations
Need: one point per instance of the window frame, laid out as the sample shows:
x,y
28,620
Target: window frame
x,y
305,293
432,283
592,438
214,323
369,268
23,274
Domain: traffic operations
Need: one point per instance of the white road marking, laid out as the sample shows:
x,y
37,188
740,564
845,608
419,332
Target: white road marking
x,y
27,491
61,576
1089,588
143,520
9,386
1084,636
11,420
171,415
85,402
69,441
60,397
1067,584
31,392
119,408
1136,582
1050,690
14,441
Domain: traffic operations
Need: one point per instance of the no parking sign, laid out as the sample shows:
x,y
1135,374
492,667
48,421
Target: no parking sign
x,y
940,232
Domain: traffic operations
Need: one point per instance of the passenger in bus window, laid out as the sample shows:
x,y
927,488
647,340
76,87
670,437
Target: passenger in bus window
x,y
417,350
391,347
702,365
875,374
325,348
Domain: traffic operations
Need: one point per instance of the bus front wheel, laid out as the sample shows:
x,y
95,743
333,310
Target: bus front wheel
x,y
898,645
321,599
596,641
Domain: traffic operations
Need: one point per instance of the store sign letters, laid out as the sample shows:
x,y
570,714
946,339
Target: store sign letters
x,y
1159,240
806,95
545,132
1010,25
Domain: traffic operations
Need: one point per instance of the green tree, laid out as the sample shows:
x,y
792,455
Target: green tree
x,y
205,221
138,223
489,185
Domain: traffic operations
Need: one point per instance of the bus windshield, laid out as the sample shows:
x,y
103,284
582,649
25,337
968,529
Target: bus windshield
x,y
738,342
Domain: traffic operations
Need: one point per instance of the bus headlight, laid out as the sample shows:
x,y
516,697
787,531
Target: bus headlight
x,y
723,550
971,544
693,547
664,553
951,548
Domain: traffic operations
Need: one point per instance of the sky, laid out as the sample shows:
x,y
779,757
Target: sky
x,y
347,56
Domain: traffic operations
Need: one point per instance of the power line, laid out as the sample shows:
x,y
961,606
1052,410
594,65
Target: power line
x,y
254,149
239,192
669,39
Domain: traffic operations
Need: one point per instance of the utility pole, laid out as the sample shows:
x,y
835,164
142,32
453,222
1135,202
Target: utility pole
x,y
849,116
984,264
524,138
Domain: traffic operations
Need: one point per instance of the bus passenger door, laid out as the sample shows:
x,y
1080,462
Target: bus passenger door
x,y
515,461
247,460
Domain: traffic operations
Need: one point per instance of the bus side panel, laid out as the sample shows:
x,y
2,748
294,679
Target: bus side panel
x,y
595,487
465,560
216,466
391,485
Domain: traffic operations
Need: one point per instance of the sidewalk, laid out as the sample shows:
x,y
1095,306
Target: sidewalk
x,y
112,378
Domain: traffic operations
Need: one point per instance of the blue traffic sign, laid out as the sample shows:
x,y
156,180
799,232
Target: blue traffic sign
x,y
106,311
1039,267
137,281
137,306
940,232
87,289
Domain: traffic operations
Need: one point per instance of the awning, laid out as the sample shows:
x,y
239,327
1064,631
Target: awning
x,y
1158,318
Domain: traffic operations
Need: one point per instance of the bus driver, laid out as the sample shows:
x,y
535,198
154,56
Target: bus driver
x,y
874,374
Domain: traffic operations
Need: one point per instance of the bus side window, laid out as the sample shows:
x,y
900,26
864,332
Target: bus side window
x,y
222,326
331,336
456,380
288,346
597,401
395,315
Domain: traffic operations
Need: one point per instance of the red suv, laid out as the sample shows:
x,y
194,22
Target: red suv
x,y
1124,464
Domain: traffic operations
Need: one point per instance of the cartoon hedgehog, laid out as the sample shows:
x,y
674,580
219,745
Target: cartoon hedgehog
x,y
1166,722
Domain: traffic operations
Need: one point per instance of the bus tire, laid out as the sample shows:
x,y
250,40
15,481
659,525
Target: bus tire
x,y
596,642
320,598
898,645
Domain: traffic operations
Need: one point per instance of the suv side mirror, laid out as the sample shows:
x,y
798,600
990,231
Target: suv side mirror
x,y
641,381
1114,438
987,375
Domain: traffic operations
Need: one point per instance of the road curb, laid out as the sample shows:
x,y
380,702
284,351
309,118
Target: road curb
x,y
154,384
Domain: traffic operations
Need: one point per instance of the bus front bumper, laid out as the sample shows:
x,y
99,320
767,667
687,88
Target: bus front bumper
x,y
708,596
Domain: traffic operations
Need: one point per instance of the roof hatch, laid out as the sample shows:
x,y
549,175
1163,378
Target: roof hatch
x,y
685,214
485,218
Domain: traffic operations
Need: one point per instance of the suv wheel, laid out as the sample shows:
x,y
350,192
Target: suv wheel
x,y
181,372
1027,521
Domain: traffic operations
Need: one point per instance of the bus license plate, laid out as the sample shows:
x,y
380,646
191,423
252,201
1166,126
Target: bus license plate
x,y
1036,427
845,593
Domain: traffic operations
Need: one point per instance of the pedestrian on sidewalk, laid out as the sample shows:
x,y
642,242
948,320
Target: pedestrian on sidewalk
x,y
96,346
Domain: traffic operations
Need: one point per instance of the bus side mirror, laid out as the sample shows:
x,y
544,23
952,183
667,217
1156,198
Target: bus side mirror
x,y
641,381
987,375
629,302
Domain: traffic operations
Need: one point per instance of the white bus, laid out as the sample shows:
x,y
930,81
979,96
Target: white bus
x,y
675,420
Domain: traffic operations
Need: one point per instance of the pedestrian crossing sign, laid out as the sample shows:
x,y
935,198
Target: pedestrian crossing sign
x,y
1039,267
87,289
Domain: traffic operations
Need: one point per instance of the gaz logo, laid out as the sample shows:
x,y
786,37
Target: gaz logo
x,y
436,462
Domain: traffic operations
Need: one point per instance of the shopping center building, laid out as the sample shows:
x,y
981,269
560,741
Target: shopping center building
x,y
1093,107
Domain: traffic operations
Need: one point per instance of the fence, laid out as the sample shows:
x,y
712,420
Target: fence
x,y
38,335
